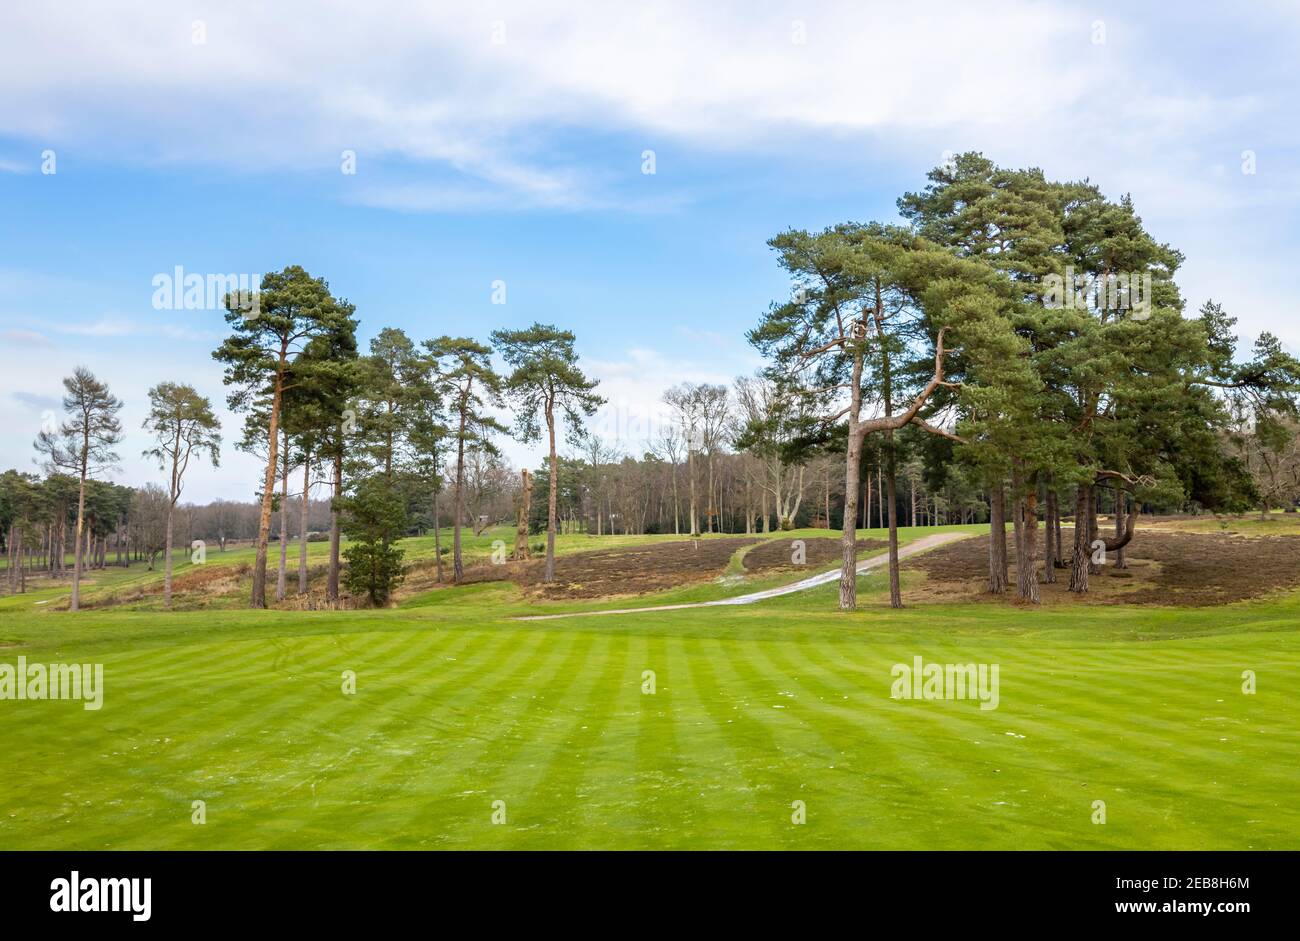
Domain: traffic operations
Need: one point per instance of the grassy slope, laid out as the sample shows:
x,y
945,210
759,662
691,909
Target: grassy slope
x,y
756,707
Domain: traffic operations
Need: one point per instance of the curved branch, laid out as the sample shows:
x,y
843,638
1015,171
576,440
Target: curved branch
x,y
905,417
936,430
1119,542
1132,480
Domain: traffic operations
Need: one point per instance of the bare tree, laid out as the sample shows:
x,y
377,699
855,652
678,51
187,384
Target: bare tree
x,y
184,425
84,446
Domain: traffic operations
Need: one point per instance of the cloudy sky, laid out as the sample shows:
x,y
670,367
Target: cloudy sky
x,y
497,141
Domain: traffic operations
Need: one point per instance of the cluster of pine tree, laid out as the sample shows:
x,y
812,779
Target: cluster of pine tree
x,y
956,326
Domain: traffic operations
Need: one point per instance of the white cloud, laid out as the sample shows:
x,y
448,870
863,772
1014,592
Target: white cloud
x,y
425,83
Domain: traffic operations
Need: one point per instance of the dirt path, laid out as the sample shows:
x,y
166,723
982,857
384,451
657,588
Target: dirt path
x,y
866,565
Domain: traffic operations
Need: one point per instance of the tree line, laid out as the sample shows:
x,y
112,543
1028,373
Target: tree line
x,y
1015,353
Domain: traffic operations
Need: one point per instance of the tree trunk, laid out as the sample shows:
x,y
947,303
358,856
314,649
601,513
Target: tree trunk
x,y
521,517
268,490
332,580
457,566
828,499
852,473
1120,561
1082,549
866,491
437,533
167,562
709,508
75,603
302,525
677,517
997,540
1094,492
895,592
1051,535
551,520
880,496
690,473
284,524
1027,544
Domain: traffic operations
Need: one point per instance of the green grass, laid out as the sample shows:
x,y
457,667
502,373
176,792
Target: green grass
x,y
458,706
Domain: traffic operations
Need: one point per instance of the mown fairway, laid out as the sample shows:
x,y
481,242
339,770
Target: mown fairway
x,y
756,707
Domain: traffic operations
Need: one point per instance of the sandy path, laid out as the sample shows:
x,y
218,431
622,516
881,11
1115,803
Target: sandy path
x,y
866,565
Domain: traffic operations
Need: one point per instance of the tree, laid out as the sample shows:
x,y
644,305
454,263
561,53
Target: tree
x,y
83,445
1100,377
463,374
149,508
372,513
20,506
668,448
866,329
335,377
686,407
546,380
774,430
183,423
427,435
270,331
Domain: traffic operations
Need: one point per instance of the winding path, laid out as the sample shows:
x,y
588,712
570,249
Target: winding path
x,y
876,561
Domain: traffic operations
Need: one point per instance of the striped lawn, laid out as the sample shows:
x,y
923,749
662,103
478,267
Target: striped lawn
x,y
458,707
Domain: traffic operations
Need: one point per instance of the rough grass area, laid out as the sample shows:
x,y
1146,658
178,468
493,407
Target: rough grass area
x,y
1163,568
629,570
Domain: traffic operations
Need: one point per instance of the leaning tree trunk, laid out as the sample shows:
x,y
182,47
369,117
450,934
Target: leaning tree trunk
x,y
997,540
1082,547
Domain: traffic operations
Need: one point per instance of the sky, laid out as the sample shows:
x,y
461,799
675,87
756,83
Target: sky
x,y
502,143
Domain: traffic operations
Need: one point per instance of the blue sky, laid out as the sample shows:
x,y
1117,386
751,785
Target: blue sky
x,y
498,142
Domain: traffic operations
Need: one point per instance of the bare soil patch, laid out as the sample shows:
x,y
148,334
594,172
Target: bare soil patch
x,y
631,570
1164,568
775,555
